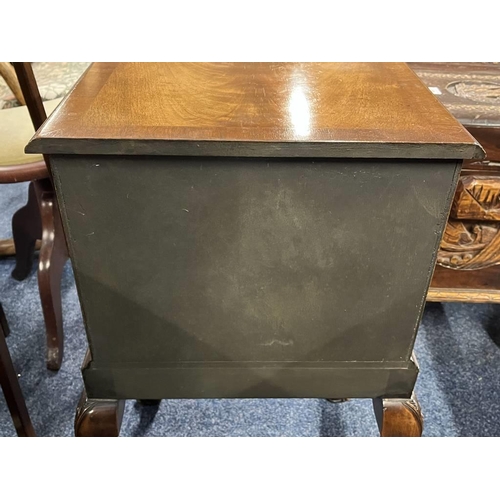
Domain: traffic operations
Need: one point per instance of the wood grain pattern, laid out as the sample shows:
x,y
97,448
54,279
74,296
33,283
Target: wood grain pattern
x,y
455,285
463,295
254,109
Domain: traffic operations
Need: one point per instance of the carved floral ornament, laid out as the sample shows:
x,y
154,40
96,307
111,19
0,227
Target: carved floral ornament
x,y
472,236
477,91
470,245
469,96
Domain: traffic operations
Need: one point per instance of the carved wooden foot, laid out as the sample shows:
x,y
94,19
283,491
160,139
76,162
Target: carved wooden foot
x,y
399,417
26,229
53,256
10,386
98,417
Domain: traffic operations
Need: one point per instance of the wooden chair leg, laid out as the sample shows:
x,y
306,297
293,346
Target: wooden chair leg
x,y
399,417
98,417
26,229
11,388
53,255
4,326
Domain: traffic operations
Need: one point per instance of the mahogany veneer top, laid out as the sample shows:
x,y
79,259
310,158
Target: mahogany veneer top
x,y
254,109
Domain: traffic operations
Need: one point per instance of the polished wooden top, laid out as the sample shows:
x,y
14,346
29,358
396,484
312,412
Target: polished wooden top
x,y
254,109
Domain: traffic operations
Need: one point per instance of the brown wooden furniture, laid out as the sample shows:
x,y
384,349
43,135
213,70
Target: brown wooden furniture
x,y
399,417
10,385
468,260
8,73
39,219
252,230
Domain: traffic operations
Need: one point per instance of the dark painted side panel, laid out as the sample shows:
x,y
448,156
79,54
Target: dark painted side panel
x,y
241,260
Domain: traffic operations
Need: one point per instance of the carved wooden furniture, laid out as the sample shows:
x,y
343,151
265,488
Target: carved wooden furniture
x,y
39,219
469,256
252,230
10,385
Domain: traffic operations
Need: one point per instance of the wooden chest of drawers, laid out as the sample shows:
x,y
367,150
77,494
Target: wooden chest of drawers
x,y
252,230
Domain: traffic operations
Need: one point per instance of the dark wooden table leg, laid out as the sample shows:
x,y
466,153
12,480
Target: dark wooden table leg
x,y
149,402
26,230
399,417
11,388
98,417
53,256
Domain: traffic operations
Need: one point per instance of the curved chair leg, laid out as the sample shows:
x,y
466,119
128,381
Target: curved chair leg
x,y
98,417
26,229
10,386
53,255
399,417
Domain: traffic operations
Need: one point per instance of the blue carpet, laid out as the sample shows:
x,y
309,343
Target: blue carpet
x,y
458,387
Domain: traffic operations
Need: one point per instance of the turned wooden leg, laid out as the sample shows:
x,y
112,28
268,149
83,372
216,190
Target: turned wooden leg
x,y
399,417
26,229
98,417
53,255
11,388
